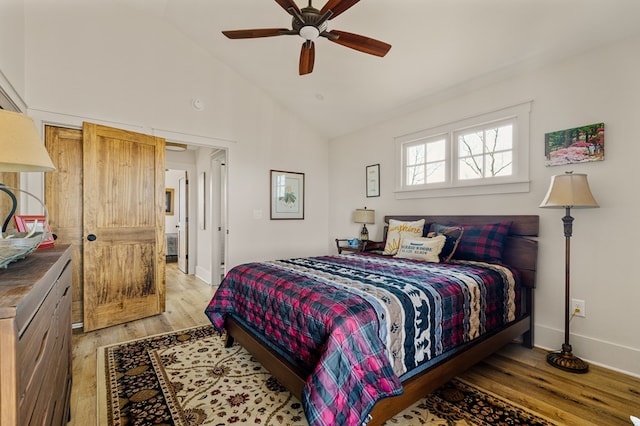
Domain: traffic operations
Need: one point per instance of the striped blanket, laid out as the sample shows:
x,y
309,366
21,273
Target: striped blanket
x,y
360,321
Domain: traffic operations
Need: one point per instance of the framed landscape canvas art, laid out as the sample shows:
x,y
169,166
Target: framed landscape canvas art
x,y
577,145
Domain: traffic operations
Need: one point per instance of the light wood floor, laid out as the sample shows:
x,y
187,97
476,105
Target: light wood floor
x,y
600,397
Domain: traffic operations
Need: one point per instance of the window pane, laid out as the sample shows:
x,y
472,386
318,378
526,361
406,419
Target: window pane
x,y
500,164
415,175
436,150
470,144
500,138
415,154
435,172
470,168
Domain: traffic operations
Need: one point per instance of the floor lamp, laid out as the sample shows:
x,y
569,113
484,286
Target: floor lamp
x,y
567,191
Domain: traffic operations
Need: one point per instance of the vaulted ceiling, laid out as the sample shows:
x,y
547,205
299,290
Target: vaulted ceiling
x,y
438,46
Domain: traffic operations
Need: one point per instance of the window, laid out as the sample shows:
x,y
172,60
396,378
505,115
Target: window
x,y
486,151
426,162
487,154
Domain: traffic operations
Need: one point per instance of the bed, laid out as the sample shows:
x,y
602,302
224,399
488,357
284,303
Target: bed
x,y
327,327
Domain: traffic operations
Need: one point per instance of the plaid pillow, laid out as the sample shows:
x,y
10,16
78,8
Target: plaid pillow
x,y
483,243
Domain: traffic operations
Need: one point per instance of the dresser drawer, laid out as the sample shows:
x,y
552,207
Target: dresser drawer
x,y
43,404
35,331
34,352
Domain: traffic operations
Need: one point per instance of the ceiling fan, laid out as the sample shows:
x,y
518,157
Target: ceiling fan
x,y
311,23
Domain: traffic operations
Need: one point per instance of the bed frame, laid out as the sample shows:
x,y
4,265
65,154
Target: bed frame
x,y
520,252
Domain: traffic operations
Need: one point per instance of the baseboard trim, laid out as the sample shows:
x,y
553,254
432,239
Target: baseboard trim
x,y
203,274
599,352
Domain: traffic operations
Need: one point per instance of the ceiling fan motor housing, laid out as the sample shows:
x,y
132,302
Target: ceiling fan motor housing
x,y
309,28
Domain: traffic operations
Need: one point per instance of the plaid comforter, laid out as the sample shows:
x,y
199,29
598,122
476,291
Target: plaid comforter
x,y
360,321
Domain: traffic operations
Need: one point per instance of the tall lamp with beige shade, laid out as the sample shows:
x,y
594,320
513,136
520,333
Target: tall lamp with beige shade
x,y
21,150
567,191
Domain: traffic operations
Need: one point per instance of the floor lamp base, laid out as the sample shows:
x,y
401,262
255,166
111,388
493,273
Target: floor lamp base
x,y
565,360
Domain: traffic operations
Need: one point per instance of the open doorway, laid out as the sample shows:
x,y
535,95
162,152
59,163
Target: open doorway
x,y
176,222
199,222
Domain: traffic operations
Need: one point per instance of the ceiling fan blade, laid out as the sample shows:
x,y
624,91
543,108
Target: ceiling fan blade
x,y
338,6
287,4
358,42
256,33
307,57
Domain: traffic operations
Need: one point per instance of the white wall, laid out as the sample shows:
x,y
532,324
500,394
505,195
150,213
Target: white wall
x,y
12,41
97,61
600,86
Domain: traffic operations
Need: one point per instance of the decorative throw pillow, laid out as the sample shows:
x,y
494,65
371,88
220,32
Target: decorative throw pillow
x,y
452,234
398,230
427,249
483,243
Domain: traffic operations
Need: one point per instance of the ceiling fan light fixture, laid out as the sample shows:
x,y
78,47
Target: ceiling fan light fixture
x,y
309,32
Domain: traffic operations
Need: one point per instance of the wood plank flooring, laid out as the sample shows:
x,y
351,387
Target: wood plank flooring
x,y
600,397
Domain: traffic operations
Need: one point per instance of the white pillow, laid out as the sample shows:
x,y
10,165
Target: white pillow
x,y
427,249
398,230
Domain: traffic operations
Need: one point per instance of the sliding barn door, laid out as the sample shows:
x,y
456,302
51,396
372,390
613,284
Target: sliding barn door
x,y
123,221
63,198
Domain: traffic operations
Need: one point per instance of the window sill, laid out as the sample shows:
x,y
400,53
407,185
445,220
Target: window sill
x,y
464,191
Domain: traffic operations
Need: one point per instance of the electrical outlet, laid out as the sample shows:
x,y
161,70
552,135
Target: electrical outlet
x,y
578,308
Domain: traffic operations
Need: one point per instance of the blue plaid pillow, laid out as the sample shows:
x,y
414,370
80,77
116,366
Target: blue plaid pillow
x,y
483,243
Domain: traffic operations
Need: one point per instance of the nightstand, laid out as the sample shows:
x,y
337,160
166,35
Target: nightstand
x,y
343,245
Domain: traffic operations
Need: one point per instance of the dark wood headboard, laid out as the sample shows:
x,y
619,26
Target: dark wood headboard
x,y
521,251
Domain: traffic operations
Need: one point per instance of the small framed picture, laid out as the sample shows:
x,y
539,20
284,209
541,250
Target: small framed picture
x,y
26,224
373,180
287,195
169,201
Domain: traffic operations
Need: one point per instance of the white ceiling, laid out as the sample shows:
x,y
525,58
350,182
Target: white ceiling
x,y
438,45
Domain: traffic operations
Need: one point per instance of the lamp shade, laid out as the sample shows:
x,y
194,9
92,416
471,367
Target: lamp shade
x,y
569,190
364,216
21,148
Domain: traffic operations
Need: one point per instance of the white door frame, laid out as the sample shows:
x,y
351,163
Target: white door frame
x,y
183,223
218,208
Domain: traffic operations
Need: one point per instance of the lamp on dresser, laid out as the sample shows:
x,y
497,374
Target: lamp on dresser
x,y
364,217
21,150
567,191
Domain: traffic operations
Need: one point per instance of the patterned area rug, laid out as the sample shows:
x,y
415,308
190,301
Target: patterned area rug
x,y
188,378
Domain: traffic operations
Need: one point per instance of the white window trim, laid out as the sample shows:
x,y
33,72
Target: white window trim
x,y
518,182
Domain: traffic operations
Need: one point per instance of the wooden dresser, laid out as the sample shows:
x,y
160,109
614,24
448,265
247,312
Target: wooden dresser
x,y
35,339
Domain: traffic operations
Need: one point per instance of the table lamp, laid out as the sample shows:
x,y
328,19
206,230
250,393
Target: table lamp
x,y
364,216
21,150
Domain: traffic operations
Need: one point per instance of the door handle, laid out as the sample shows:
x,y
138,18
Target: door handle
x,y
92,237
